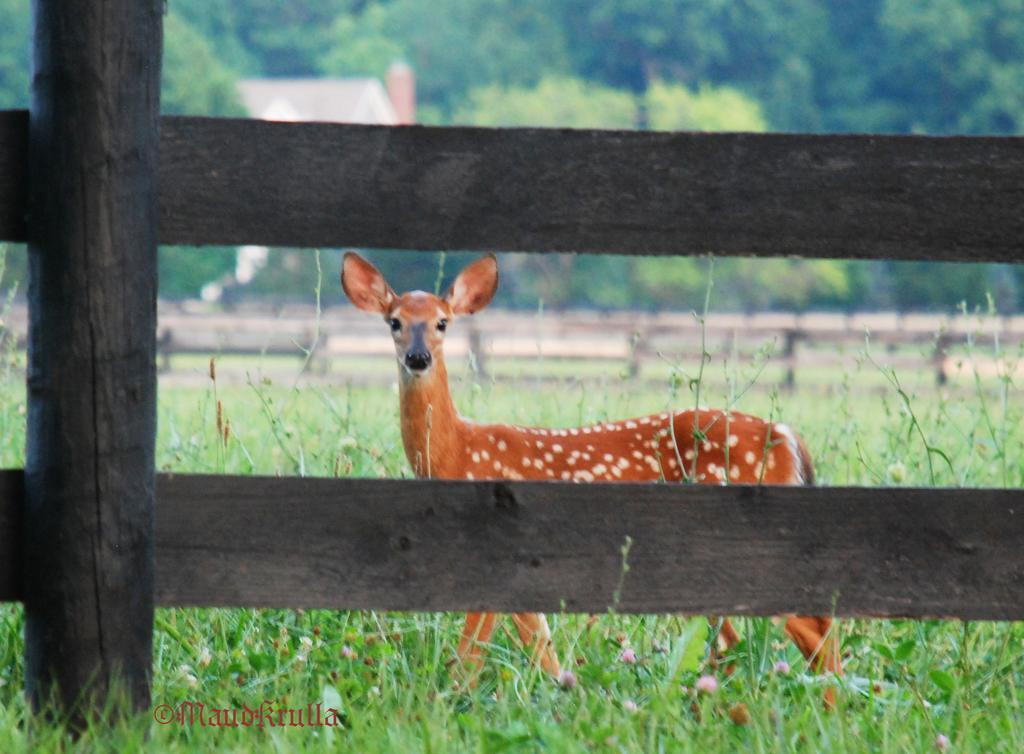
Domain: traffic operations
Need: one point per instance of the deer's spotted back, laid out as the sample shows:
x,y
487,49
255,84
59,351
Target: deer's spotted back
x,y
706,447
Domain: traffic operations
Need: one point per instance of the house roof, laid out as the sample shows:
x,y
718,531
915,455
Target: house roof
x,y
331,100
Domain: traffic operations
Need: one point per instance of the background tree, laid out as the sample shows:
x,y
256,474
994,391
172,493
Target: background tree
x,y
454,45
554,102
14,53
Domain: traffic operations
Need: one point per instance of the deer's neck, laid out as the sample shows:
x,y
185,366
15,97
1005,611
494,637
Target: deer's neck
x,y
432,430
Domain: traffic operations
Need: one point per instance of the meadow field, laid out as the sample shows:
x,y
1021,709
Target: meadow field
x,y
639,683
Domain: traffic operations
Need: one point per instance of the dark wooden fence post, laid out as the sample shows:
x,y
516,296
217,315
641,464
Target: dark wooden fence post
x,y
789,341
89,466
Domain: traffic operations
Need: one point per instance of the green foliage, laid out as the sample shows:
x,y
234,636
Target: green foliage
x,y
288,38
454,46
362,48
672,107
390,674
565,102
961,65
194,80
184,270
554,102
629,43
220,25
14,53
917,285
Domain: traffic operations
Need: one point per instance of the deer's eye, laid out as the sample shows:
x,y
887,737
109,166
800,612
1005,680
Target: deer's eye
x,y
395,325
442,325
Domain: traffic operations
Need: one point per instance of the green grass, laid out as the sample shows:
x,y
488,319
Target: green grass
x,y
907,682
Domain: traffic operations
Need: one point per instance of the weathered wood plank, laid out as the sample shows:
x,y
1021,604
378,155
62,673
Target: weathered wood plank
x,y
13,174
411,545
233,181
91,425
457,546
311,184
12,495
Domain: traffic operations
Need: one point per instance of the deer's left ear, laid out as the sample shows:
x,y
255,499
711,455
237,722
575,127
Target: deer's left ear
x,y
475,286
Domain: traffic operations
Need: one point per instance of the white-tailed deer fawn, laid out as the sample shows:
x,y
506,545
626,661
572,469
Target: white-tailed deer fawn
x,y
706,446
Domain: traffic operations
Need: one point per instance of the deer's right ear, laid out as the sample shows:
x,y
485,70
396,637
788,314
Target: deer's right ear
x,y
364,285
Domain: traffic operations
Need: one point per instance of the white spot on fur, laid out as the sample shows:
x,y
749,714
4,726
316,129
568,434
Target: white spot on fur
x,y
749,457
502,445
557,448
733,441
476,458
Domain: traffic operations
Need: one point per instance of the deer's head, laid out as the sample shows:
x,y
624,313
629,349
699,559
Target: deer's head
x,y
418,320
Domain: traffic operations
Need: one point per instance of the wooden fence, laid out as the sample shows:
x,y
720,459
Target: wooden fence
x,y
635,341
89,554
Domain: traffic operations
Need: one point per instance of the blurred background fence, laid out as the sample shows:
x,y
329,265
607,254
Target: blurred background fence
x,y
812,348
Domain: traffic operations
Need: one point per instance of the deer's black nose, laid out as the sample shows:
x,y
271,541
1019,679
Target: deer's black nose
x,y
417,360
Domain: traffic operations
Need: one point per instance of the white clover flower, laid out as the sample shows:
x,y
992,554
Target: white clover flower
x,y
897,472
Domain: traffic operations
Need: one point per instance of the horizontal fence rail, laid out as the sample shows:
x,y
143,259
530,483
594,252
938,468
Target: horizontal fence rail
x,y
227,181
434,545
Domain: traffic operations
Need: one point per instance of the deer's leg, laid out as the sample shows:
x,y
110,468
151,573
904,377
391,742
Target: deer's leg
x,y
475,634
536,636
728,636
816,640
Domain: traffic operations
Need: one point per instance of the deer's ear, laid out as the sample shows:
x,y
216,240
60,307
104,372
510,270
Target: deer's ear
x,y
364,285
475,286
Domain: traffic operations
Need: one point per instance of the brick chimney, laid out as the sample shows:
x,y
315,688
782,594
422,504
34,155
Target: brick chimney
x,y
401,85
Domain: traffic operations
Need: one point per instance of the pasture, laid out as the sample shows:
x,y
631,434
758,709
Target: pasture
x,y
911,686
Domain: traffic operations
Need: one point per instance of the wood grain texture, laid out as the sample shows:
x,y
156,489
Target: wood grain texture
x,y
13,174
91,378
431,545
226,181
238,181
12,495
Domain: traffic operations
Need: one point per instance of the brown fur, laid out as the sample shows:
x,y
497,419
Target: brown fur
x,y
705,446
